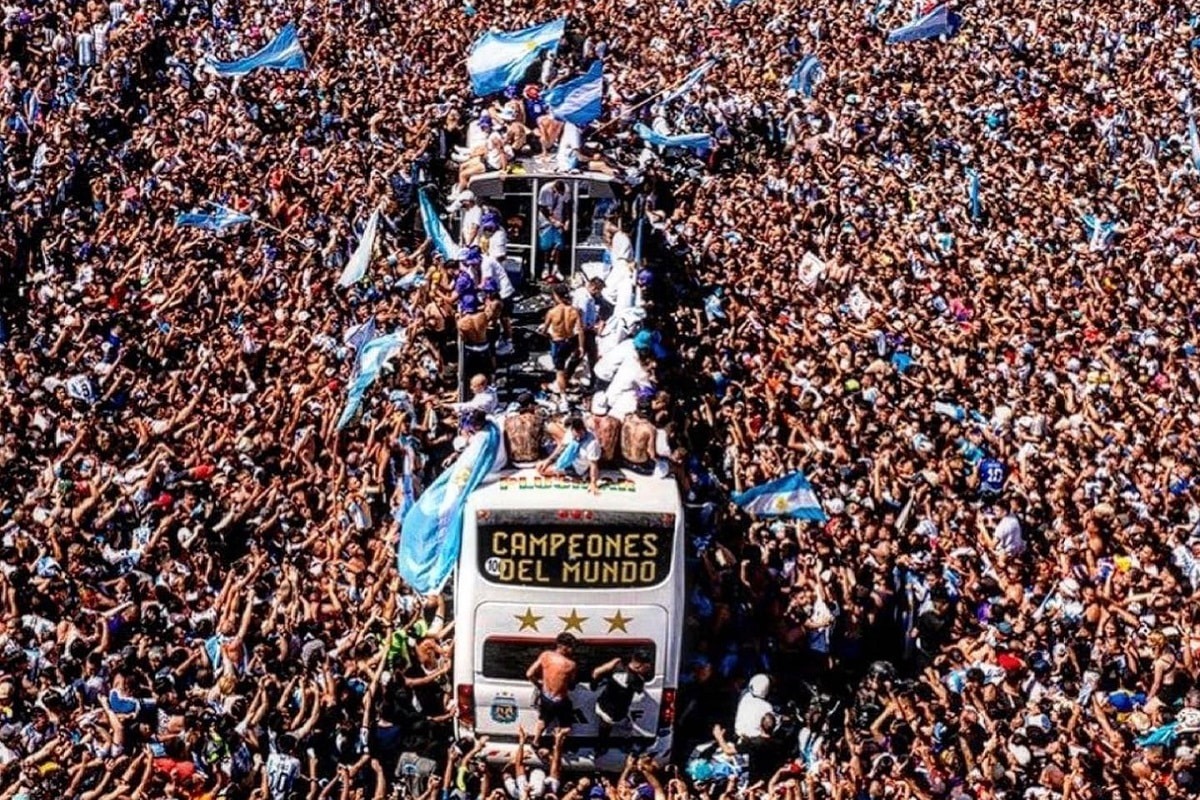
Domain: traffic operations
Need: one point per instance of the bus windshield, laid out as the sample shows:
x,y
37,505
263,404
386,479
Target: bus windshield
x,y
605,550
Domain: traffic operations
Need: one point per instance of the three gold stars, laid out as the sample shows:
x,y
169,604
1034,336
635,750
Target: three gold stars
x,y
528,620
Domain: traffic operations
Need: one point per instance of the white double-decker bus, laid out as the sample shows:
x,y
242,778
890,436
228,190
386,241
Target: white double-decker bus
x,y
540,557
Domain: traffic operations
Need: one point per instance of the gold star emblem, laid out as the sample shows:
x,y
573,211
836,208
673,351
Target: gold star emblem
x,y
528,620
617,622
574,621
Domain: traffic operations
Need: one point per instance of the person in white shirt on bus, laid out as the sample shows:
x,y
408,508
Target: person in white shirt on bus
x,y
493,268
576,456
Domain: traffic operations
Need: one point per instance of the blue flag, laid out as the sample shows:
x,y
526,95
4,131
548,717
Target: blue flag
x,y
371,359
934,24
691,80
735,3
283,52
498,59
973,192
699,142
217,220
435,230
431,535
808,73
1194,140
579,99
358,335
790,497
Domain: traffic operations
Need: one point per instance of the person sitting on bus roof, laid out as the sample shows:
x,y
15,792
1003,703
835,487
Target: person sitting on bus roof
x,y
617,683
576,456
640,450
524,432
554,675
606,428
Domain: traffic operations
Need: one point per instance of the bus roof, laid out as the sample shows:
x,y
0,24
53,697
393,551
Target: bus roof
x,y
620,490
492,184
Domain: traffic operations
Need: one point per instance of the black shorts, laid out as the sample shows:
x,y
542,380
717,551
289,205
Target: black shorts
x,y
556,712
506,307
645,468
561,352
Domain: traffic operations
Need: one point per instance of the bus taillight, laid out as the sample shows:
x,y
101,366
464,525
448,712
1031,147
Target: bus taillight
x,y
666,708
466,704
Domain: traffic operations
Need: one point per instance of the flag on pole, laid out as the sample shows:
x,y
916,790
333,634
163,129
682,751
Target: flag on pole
x,y
356,267
434,228
973,192
937,22
431,535
579,99
808,73
1194,139
216,220
690,81
283,52
371,360
790,497
693,141
498,59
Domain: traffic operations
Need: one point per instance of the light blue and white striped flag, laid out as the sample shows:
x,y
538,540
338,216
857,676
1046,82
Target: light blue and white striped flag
x,y
443,242
371,360
973,192
498,59
1194,140
1100,234
693,141
578,100
356,267
217,220
694,77
358,335
934,24
283,52
808,74
790,497
431,535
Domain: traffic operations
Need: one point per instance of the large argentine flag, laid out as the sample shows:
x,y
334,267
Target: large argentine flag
x,y
431,535
694,77
789,497
930,26
579,99
1194,140
694,141
498,59
283,52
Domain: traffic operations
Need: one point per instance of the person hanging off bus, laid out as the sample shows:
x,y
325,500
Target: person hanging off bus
x,y
577,456
617,683
553,674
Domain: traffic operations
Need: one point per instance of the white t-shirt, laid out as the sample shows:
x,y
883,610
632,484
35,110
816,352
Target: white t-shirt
x,y
282,771
1008,538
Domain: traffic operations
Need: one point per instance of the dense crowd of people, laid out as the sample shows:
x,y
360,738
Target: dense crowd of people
x,y
991,396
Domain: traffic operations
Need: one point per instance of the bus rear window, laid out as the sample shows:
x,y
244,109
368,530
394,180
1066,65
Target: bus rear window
x,y
507,659
575,556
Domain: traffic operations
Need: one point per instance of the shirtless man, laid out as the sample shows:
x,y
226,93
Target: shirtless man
x,y
565,329
473,327
607,429
638,434
523,432
554,676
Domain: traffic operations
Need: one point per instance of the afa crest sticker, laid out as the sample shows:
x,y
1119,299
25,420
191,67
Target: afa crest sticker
x,y
504,710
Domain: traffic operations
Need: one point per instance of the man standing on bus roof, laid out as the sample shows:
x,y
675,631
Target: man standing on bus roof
x,y
554,676
564,326
617,683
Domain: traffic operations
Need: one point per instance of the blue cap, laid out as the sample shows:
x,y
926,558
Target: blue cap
x,y
472,255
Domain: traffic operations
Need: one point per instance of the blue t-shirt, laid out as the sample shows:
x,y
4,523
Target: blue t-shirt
x,y
992,474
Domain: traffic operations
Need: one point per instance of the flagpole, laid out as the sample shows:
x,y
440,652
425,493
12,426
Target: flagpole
x,y
254,221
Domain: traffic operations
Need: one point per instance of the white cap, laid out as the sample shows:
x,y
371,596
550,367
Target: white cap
x,y
759,686
466,195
